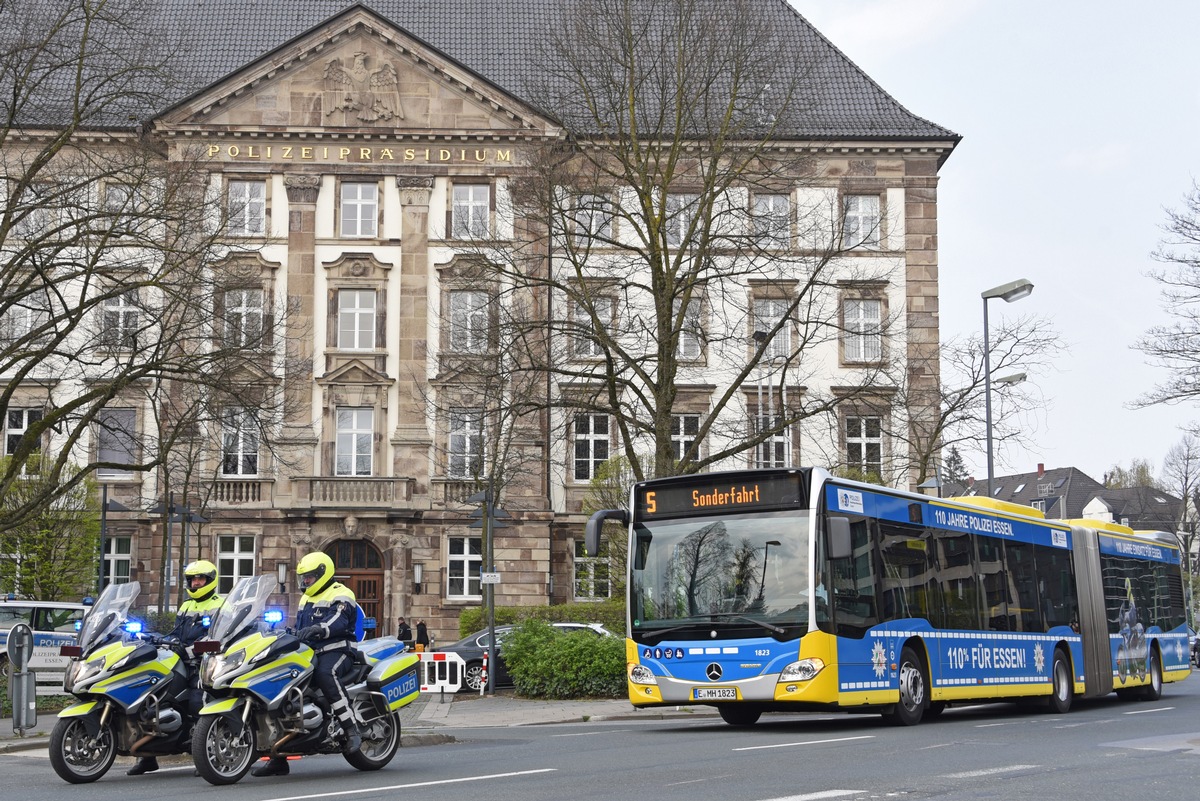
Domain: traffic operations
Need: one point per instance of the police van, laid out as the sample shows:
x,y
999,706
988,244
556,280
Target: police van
x,y
53,624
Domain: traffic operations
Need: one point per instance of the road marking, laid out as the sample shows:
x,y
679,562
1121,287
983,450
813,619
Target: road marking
x,y
975,774
590,733
1008,723
415,784
698,781
1144,711
808,742
819,795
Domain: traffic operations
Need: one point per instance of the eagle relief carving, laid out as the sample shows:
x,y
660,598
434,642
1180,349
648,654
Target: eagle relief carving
x,y
374,94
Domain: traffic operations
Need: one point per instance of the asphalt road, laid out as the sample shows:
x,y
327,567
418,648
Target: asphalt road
x,y
1100,750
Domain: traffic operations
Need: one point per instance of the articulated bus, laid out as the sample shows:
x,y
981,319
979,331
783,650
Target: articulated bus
x,y
789,590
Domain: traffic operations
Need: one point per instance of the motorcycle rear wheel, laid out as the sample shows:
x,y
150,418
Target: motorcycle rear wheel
x,y
76,756
223,749
380,739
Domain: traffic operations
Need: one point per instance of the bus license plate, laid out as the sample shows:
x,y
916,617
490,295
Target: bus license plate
x,y
714,694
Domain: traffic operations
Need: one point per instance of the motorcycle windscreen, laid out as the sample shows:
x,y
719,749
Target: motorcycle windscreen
x,y
108,614
242,608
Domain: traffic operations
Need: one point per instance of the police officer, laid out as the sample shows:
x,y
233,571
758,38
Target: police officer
x,y
326,621
191,624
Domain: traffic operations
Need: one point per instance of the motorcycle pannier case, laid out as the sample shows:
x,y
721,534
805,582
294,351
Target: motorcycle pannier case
x,y
397,679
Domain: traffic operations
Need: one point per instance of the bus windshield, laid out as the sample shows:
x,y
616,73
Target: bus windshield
x,y
738,574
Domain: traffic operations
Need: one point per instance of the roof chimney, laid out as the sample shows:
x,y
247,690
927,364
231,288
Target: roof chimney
x,y
1041,469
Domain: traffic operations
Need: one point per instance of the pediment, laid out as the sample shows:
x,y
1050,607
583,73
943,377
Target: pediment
x,y
355,74
354,372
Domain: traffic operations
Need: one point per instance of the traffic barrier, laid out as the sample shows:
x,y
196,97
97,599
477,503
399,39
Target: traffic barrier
x,y
441,671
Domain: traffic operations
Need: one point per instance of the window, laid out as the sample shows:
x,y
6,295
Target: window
x,y
463,563
355,436
864,445
683,433
591,444
773,221
38,203
25,319
470,212
593,219
469,321
247,208
356,319
681,210
116,442
466,443
860,221
121,204
239,443
586,344
16,426
121,316
360,210
117,559
863,320
235,560
691,332
774,451
243,317
768,312
591,573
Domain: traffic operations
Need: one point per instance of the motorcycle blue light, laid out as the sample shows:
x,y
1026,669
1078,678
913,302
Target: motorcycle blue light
x,y
134,627
206,621
273,616
78,625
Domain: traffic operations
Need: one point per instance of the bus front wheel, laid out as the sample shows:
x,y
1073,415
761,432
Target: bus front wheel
x,y
739,715
1061,686
911,708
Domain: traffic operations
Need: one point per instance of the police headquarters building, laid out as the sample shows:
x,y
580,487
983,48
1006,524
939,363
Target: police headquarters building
x,y
368,158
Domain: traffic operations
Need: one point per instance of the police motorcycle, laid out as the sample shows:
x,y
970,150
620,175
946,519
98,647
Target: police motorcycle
x,y
262,700
132,690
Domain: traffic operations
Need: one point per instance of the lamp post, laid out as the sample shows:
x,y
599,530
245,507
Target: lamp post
x,y
1013,290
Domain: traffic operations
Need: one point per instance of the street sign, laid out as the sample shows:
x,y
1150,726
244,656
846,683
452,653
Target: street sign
x,y
20,646
489,578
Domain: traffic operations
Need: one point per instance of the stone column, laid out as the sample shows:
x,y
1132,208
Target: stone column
x,y
412,440
298,439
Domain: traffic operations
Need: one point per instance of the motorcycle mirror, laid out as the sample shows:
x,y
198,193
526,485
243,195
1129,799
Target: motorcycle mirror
x,y
70,650
206,647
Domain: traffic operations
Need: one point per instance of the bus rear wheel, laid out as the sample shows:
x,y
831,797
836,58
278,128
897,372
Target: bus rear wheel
x,y
1153,690
1061,686
739,715
911,708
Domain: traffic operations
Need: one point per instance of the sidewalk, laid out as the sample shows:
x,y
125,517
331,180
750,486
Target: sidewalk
x,y
432,718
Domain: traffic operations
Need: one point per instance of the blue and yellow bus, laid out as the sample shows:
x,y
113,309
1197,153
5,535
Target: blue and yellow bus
x,y
785,590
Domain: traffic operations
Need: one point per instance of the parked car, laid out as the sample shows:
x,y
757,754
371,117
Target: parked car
x,y
472,649
53,624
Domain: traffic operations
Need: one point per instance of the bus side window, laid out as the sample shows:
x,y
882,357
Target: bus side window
x,y
852,584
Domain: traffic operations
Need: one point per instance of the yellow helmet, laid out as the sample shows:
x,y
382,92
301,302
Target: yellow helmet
x,y
200,579
314,573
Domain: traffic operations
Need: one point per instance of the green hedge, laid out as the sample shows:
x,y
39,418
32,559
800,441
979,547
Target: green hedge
x,y
545,662
610,613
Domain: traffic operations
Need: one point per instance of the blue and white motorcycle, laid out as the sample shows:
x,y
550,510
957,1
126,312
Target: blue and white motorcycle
x,y
263,702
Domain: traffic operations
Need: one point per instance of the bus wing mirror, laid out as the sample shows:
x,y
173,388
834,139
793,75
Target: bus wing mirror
x,y
591,532
838,532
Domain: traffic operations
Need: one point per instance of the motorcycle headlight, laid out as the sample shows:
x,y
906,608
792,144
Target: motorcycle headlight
x,y
804,670
79,672
221,665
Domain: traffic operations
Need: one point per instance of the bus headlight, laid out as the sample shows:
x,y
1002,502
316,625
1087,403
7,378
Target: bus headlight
x,y
804,670
640,674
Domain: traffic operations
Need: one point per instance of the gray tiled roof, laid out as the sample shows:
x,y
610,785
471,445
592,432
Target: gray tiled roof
x,y
498,42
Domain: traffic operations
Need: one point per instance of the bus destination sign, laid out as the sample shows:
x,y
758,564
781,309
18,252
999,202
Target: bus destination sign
x,y
708,494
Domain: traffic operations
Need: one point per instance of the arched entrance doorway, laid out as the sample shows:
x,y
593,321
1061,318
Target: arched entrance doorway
x,y
359,565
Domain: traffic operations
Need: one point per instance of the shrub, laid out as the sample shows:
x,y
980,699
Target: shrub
x,y
610,613
545,662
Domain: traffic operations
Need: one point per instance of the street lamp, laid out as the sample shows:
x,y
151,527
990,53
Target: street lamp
x,y
1013,290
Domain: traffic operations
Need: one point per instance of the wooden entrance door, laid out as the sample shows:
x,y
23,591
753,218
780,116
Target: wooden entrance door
x,y
359,565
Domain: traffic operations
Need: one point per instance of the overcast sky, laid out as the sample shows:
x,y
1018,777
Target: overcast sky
x,y
1081,124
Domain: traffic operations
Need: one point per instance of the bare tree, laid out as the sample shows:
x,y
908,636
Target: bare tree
x,y
112,275
663,247
1181,477
955,416
1175,345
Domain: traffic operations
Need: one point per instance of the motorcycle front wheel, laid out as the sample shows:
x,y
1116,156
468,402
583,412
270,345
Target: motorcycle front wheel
x,y
78,757
380,739
223,749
